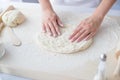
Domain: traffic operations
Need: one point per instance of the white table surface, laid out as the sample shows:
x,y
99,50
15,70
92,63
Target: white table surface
x,y
9,77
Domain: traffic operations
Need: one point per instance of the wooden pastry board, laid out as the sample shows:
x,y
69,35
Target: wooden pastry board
x,y
24,60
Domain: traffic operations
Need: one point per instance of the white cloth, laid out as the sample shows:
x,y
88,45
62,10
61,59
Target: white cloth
x,y
83,3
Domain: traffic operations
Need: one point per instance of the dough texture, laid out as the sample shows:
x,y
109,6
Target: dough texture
x,y
62,44
13,18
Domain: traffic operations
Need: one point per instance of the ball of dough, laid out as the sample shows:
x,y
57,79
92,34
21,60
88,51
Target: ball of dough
x,y
13,18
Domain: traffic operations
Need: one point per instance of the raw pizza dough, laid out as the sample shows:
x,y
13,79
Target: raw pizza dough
x,y
13,18
62,44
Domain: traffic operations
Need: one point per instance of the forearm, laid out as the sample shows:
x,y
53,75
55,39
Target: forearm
x,y
46,5
103,8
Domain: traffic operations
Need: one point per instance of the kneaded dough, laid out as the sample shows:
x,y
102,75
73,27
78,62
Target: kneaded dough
x,y
13,18
62,44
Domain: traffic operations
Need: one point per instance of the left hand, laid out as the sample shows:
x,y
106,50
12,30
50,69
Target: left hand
x,y
86,29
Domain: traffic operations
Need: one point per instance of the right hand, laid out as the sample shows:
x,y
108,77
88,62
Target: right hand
x,y
51,23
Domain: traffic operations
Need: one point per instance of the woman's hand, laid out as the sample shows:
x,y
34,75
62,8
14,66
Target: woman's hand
x,y
86,29
51,23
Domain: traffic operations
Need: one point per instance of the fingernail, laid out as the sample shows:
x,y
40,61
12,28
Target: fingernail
x,y
84,39
59,33
44,31
61,25
71,40
50,34
78,41
55,35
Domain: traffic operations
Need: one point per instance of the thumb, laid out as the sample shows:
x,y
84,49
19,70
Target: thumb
x,y
60,22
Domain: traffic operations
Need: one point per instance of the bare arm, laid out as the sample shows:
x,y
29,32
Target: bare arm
x,y
103,8
89,27
50,22
46,5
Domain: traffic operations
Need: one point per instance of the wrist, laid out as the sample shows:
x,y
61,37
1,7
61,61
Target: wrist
x,y
48,11
100,17
46,6
97,19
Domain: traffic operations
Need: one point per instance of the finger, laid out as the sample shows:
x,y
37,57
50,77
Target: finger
x,y
85,34
56,28
77,35
48,29
75,32
43,28
60,22
90,36
52,29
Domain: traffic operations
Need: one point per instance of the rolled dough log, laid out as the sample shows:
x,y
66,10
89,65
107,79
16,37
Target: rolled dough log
x,y
62,44
13,18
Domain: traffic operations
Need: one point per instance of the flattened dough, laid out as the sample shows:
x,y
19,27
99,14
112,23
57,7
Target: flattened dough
x,y
62,44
